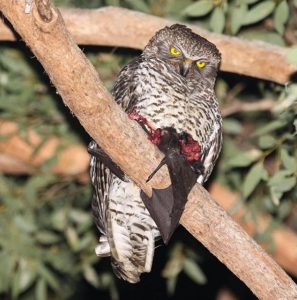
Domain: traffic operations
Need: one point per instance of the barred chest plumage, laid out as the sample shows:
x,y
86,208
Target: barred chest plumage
x,y
187,105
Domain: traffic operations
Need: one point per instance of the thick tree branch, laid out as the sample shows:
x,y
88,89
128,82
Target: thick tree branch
x,y
81,89
19,156
119,27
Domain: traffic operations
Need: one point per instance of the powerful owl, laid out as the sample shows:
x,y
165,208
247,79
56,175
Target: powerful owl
x,y
169,86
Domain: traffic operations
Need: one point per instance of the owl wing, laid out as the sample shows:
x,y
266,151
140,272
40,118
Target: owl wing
x,y
125,86
100,178
212,146
100,174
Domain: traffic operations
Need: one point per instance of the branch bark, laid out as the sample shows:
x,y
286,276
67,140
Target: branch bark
x,y
19,156
119,27
82,91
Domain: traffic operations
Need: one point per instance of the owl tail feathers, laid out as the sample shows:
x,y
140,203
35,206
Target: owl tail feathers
x,y
131,268
133,255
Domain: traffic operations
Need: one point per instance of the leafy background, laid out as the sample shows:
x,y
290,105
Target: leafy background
x,y
47,234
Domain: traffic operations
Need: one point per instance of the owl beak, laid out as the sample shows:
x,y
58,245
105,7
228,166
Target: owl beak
x,y
186,67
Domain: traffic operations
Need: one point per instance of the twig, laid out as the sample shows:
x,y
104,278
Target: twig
x,y
237,106
112,26
82,91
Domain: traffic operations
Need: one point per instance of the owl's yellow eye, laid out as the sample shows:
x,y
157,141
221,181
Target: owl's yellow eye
x,y
174,51
200,64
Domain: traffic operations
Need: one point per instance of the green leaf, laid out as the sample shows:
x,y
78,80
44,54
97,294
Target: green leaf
x,y
266,141
199,8
194,272
175,263
237,16
279,176
7,266
289,162
281,182
284,209
292,55
243,159
217,20
173,8
79,216
281,15
105,280
72,238
47,237
232,126
59,219
15,286
113,291
171,285
138,5
252,179
259,12
295,3
269,127
40,290
27,274
91,276
63,261
263,35
48,276
248,1
23,277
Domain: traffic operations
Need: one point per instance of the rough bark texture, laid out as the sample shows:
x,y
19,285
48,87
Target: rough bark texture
x,y
19,156
119,27
81,89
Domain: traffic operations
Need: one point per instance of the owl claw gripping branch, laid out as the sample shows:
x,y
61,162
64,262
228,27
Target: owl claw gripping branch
x,y
169,90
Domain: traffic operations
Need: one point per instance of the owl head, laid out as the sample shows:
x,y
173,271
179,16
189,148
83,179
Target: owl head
x,y
189,54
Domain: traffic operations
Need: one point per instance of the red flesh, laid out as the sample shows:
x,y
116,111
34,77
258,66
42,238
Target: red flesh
x,y
154,135
190,149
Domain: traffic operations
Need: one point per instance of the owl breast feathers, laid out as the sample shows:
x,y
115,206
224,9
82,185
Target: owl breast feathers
x,y
171,85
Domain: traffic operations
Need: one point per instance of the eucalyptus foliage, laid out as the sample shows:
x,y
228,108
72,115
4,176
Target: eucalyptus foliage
x,y
47,234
